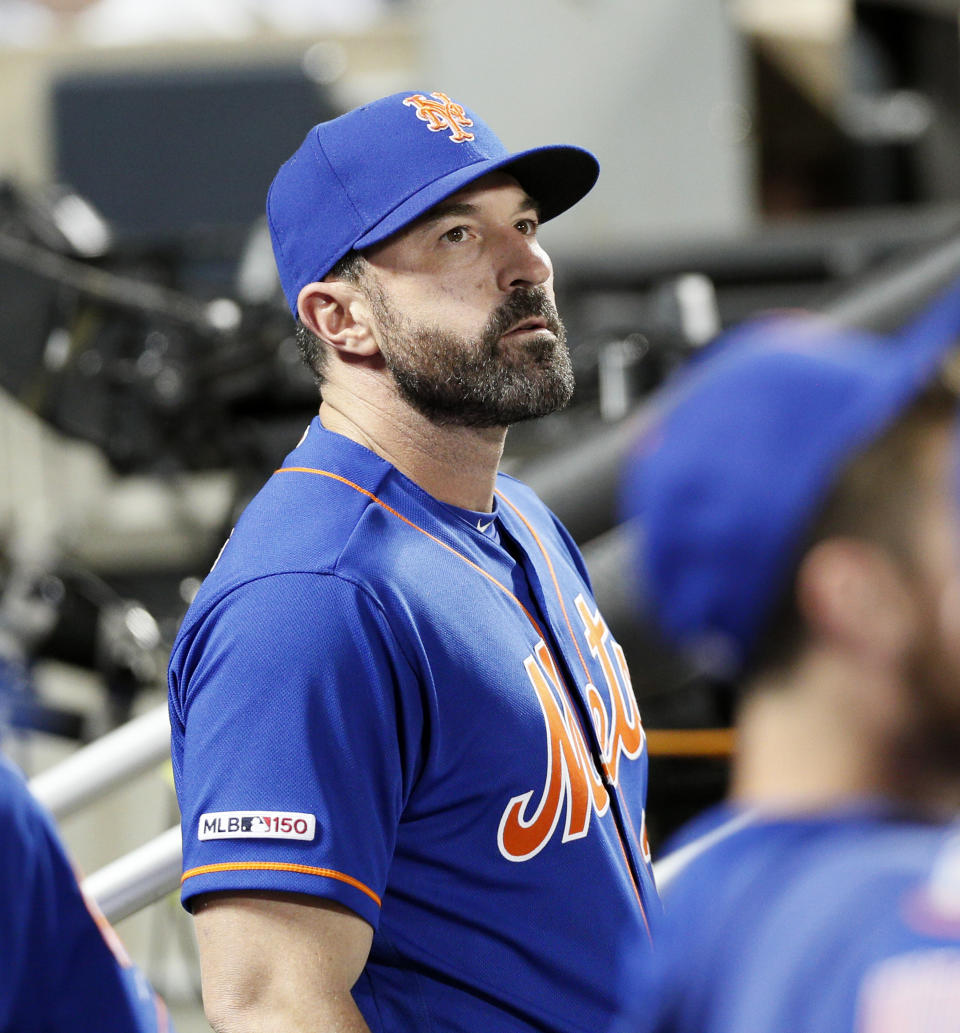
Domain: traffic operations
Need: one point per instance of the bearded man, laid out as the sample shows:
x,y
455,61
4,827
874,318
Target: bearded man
x,y
409,760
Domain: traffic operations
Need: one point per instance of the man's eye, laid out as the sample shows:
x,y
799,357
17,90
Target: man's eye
x,y
527,226
456,235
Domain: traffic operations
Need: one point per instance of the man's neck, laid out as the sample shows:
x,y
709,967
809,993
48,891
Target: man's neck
x,y
833,732
801,744
457,465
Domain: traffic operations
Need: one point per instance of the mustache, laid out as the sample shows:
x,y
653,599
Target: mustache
x,y
524,303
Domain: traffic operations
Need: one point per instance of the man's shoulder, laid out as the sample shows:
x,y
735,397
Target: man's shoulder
x,y
780,906
807,869
338,515
862,840
16,800
28,829
309,511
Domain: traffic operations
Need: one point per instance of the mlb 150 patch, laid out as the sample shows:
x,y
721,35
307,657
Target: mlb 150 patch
x,y
256,825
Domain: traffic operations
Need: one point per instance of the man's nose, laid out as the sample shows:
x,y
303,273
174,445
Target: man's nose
x,y
524,263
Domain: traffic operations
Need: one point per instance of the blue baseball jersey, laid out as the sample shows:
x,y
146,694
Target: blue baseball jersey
x,y
419,712
61,966
843,922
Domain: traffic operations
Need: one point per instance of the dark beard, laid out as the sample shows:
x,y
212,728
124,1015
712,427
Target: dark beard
x,y
455,382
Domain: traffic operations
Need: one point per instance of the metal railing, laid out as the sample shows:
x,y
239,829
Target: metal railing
x,y
151,871
86,775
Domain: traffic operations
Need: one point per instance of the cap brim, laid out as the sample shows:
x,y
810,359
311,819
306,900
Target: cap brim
x,y
556,177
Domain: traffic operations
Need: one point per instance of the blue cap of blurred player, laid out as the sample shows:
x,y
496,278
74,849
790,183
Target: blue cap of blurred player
x,y
745,446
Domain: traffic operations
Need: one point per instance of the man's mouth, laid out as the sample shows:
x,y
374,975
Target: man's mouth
x,y
525,326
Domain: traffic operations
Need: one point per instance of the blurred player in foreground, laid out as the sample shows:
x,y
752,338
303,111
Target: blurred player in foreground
x,y
62,967
409,761
799,502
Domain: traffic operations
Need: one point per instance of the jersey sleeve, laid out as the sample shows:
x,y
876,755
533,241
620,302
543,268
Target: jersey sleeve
x,y
296,734
59,971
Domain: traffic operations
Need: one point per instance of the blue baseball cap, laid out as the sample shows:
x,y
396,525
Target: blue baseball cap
x,y
730,474
357,179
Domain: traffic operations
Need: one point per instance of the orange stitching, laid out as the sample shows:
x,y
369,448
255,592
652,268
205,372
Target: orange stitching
x,y
416,527
279,866
553,576
442,113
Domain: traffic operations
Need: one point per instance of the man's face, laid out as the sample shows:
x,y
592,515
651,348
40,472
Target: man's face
x,y
464,305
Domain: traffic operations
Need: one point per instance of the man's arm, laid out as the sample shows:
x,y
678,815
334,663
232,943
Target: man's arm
x,y
280,962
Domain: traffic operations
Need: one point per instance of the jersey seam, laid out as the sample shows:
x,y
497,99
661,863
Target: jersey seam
x,y
308,572
343,578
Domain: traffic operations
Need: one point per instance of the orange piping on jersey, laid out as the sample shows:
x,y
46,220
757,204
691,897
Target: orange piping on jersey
x,y
416,527
553,577
279,866
556,586
586,670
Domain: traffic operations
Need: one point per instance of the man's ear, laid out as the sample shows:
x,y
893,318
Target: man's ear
x,y
338,313
853,595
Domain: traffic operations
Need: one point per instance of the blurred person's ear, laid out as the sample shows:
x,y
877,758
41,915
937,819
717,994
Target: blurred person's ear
x,y
855,598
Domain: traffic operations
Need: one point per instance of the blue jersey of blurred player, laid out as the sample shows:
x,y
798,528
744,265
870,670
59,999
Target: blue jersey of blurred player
x,y
799,501
63,968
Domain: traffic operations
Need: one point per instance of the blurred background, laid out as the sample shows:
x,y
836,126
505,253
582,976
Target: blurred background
x,y
755,154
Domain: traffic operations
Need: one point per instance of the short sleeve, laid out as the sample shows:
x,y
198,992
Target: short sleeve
x,y
296,734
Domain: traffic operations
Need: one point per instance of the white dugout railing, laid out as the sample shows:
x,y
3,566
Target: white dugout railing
x,y
151,871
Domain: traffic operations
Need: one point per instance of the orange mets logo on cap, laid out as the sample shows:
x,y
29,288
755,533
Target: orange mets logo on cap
x,y
441,113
